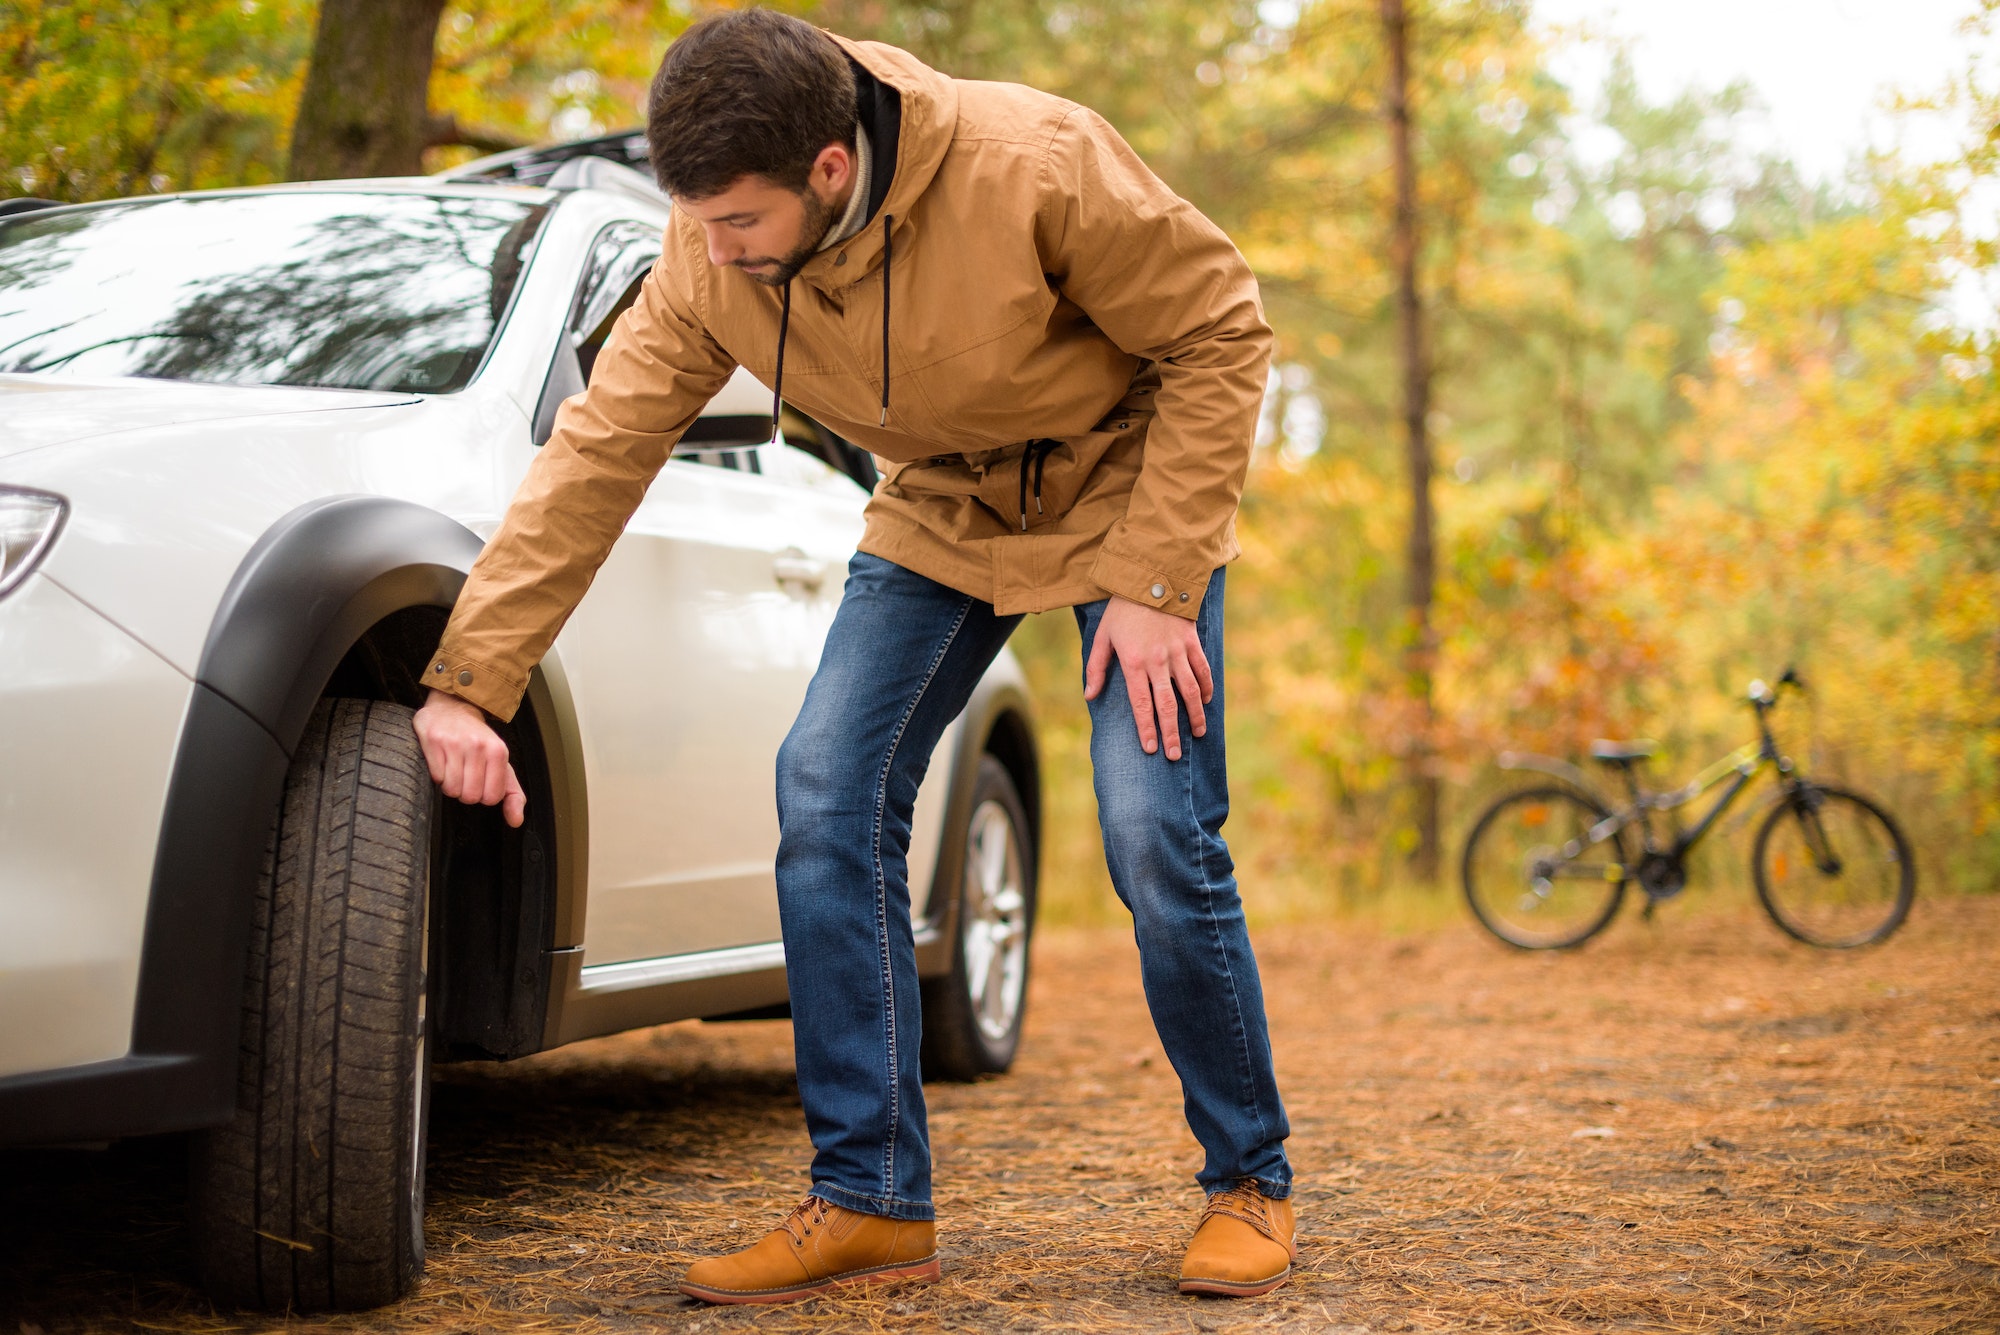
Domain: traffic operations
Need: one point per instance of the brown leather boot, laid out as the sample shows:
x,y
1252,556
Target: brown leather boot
x,y
818,1247
1243,1246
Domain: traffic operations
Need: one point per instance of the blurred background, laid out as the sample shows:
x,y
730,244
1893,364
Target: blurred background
x,y
1688,376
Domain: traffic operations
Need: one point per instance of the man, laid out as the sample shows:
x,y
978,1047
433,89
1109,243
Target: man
x,y
1062,363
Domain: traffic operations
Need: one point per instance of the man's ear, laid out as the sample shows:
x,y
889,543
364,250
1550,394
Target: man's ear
x,y
832,171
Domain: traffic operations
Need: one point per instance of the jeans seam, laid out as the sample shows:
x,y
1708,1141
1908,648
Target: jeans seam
x,y
1246,1077
882,897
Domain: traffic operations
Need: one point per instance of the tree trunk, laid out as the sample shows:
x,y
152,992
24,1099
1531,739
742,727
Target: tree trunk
x,y
364,110
1421,657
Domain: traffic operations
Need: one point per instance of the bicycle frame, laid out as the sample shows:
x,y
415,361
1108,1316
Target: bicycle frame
x,y
1745,764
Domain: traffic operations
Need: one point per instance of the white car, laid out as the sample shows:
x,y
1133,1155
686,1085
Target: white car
x,y
250,443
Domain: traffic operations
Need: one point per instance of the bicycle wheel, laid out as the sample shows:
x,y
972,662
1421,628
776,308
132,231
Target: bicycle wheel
x,y
1534,876
1832,868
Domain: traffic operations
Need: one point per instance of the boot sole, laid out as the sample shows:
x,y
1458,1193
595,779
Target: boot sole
x,y
1230,1288
927,1269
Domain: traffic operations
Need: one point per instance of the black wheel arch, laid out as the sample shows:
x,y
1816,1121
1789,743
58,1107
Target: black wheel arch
x,y
343,595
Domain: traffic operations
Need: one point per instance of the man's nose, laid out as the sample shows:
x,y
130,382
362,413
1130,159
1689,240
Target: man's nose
x,y
721,249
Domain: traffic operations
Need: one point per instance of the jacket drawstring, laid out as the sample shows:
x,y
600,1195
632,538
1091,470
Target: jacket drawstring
x,y
886,220
784,325
1040,449
778,380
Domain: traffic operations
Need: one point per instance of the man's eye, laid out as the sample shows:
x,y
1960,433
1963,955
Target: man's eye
x,y
743,225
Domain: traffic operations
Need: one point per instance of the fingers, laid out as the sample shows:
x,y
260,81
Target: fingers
x,y
452,762
1199,662
1099,664
467,759
1192,695
486,769
1164,704
1141,696
499,775
433,754
514,807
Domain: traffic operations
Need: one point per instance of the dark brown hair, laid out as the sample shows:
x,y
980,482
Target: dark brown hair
x,y
747,93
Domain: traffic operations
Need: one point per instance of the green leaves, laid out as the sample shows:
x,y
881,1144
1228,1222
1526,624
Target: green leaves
x,y
101,98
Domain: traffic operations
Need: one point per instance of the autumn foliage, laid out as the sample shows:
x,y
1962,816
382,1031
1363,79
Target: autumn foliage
x,y
1695,418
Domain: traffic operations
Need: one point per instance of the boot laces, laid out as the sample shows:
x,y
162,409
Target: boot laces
x,y
805,1216
1242,1201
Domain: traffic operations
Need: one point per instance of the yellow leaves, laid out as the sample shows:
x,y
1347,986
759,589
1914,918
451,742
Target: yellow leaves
x,y
1842,509
126,97
543,71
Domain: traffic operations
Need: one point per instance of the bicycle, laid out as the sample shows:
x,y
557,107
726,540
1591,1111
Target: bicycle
x,y
1546,868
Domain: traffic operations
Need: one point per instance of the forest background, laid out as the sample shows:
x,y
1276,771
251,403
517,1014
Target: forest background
x,y
1693,417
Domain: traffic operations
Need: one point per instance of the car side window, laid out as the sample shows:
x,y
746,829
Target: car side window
x,y
620,259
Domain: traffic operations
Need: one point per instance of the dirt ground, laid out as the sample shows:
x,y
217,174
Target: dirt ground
x,y
1691,1124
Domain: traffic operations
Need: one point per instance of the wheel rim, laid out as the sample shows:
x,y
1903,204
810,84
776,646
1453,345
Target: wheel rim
x,y
1533,874
1833,872
995,930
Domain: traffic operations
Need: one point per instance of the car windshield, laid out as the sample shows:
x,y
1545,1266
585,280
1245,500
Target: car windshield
x,y
345,290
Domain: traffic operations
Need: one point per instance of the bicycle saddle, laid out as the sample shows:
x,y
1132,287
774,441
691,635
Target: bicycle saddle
x,y
1617,753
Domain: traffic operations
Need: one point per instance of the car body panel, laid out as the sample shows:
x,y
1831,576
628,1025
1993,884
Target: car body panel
x,y
43,411
687,657
73,886
159,521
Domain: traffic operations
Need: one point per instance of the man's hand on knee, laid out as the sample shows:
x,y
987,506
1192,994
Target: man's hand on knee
x,y
1161,654
467,758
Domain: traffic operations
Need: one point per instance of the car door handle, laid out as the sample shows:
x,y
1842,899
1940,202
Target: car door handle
x,y
795,567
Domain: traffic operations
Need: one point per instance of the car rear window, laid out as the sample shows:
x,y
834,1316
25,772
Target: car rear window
x,y
338,289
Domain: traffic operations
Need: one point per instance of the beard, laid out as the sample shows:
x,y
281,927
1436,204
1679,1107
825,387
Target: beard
x,y
818,221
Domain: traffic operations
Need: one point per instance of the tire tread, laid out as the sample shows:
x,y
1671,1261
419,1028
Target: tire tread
x,y
304,1201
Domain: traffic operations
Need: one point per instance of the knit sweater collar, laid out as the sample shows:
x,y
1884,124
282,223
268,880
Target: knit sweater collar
x,y
856,217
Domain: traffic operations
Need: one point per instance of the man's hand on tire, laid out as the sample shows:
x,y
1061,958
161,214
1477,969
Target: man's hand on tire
x,y
467,758
1159,652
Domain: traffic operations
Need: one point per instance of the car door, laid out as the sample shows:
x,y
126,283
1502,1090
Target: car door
x,y
830,479
687,661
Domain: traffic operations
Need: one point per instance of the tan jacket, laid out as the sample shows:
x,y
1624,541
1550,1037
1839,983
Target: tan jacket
x,y
1044,286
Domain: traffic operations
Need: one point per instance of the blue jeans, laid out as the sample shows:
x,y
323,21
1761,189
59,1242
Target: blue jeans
x,y
901,661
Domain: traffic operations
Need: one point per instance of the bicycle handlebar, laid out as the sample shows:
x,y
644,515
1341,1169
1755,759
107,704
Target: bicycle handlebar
x,y
1764,696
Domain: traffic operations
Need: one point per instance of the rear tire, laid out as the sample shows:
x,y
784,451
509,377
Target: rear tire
x,y
1865,897
313,1197
973,1014
1526,834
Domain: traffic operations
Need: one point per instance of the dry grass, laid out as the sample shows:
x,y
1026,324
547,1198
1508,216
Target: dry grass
x,y
1691,1125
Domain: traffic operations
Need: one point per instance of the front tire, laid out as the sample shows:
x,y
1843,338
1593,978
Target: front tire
x,y
313,1197
1832,869
973,1014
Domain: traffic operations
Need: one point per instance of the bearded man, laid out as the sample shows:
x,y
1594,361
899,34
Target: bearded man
x,y
1062,364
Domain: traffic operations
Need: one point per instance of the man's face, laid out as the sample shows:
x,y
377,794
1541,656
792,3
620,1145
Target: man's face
x,y
768,231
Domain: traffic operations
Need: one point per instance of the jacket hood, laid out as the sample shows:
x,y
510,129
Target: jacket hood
x,y
38,411
929,118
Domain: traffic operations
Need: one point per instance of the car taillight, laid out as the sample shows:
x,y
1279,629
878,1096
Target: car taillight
x,y
29,522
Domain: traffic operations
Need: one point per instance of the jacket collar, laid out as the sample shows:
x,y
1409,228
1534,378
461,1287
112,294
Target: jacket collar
x,y
929,118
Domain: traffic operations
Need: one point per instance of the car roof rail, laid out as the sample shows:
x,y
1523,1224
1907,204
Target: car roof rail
x,y
535,165
12,207
601,174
